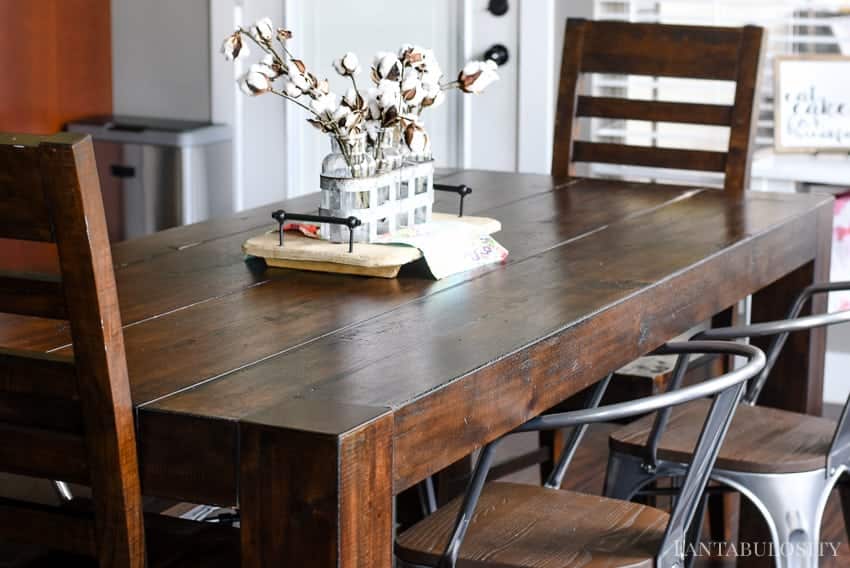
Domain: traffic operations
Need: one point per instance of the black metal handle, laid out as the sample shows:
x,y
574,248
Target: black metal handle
x,y
462,191
498,54
282,216
498,7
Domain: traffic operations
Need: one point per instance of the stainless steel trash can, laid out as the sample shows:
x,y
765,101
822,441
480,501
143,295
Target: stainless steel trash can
x,y
159,173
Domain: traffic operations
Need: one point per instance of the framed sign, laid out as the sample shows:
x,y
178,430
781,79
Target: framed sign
x,y
812,103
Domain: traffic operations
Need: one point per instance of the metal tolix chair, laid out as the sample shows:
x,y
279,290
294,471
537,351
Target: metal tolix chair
x,y
785,463
508,525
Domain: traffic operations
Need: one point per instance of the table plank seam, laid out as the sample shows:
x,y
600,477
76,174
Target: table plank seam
x,y
301,344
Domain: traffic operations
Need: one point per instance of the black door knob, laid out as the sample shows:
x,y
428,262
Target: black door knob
x,y
498,7
497,53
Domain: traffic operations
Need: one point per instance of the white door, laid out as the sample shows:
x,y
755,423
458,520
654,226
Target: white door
x,y
277,154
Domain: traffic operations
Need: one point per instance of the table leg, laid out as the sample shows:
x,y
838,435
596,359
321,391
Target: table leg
x,y
316,498
796,382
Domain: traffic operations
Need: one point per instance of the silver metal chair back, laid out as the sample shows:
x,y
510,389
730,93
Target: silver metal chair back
x,y
727,390
781,329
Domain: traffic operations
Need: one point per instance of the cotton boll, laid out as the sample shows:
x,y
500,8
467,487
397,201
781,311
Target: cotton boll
x,y
325,105
352,99
290,89
388,95
477,76
254,83
264,29
434,100
232,46
387,66
417,139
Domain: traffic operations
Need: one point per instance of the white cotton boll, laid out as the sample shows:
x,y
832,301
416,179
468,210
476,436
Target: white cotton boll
x,y
254,83
324,105
373,129
434,100
350,63
299,80
352,98
417,139
347,65
372,105
341,112
410,82
380,56
477,76
232,47
290,89
264,29
388,94
387,66
412,91
431,89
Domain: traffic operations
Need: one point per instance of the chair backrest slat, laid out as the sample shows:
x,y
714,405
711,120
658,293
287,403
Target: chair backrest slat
x,y
694,52
23,204
32,295
44,374
659,50
49,191
654,111
601,152
67,530
43,453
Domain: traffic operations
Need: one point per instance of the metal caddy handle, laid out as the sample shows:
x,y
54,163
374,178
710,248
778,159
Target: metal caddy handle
x,y
282,216
462,191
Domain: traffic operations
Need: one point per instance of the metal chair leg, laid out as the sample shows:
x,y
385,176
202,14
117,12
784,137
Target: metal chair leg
x,y
427,496
792,505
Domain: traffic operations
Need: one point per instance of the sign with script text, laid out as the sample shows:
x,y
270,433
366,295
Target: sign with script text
x,y
812,103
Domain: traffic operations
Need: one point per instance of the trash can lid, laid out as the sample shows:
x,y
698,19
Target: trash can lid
x,y
150,130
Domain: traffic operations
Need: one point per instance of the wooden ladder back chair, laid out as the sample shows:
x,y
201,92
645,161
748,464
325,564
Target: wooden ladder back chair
x,y
63,417
659,50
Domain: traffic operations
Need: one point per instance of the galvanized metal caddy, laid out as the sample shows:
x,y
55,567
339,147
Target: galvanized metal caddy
x,y
384,202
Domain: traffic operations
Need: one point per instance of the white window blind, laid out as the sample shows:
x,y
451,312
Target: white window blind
x,y
792,27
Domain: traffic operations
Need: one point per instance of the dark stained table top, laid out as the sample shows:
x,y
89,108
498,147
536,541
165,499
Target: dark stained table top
x,y
599,273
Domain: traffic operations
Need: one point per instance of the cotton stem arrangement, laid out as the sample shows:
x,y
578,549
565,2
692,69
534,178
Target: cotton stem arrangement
x,y
403,85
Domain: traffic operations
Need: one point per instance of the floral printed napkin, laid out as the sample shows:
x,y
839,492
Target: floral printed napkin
x,y
449,246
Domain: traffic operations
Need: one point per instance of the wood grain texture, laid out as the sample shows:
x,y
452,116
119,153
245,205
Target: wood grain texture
x,y
656,111
223,351
696,52
649,156
662,50
71,183
667,294
23,204
760,440
336,508
32,295
58,57
522,526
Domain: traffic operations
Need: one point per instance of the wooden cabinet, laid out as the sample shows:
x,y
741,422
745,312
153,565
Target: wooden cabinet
x,y
56,61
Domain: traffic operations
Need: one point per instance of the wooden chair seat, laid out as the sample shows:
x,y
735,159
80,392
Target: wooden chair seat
x,y
171,543
760,440
528,526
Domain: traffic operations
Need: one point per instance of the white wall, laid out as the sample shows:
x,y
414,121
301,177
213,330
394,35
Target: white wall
x,y
161,58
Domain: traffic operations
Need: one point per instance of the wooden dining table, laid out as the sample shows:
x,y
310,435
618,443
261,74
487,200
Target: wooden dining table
x,y
309,400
